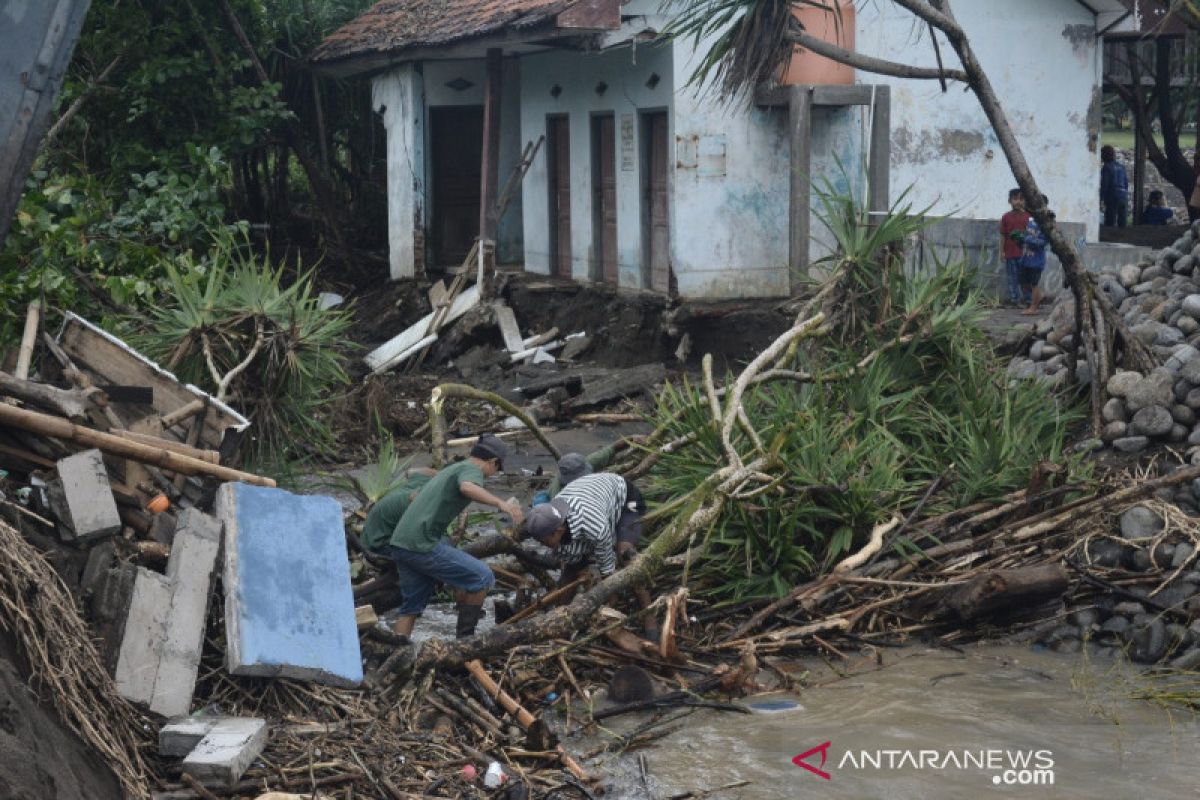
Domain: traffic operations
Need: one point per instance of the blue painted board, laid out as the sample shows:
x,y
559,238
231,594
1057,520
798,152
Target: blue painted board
x,y
289,605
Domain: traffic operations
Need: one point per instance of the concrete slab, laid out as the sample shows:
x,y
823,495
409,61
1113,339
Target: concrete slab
x,y
180,736
90,507
289,606
138,658
190,570
227,750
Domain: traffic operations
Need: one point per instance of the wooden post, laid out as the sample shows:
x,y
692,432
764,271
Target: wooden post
x,y
1139,175
490,166
799,211
880,168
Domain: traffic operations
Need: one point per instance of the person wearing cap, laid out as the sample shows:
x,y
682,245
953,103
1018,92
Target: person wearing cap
x,y
423,557
575,465
595,519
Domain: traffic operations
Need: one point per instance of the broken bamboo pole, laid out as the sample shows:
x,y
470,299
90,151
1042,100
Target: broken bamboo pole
x,y
524,718
209,456
58,428
25,355
182,413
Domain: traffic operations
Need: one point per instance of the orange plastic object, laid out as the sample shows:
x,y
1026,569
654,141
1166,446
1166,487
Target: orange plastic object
x,y
808,68
158,505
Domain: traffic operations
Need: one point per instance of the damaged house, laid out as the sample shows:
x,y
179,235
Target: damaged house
x,y
644,182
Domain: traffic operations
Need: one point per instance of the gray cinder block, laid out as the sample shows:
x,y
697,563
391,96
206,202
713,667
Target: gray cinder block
x,y
90,510
227,751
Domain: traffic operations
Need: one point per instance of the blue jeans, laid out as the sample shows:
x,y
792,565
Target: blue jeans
x,y
1116,214
1012,271
420,574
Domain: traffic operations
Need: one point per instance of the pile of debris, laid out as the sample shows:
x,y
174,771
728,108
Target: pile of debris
x,y
1159,299
111,480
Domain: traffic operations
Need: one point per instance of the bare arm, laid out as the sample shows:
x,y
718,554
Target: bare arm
x,y
479,494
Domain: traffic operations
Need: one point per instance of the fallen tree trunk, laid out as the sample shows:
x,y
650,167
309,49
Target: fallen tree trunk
x,y
64,402
1007,591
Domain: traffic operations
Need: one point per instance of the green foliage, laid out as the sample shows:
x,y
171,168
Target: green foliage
x,y
238,310
72,228
378,479
861,443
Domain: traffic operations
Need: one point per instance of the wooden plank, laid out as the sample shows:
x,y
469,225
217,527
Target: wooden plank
x,y
109,360
799,211
437,293
365,616
419,330
509,329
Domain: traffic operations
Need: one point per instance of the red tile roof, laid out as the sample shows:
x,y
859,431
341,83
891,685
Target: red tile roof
x,y
392,26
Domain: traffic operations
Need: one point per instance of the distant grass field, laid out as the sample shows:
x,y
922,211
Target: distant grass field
x,y
1122,139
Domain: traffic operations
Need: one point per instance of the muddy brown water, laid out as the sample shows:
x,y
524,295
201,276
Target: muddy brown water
x,y
996,702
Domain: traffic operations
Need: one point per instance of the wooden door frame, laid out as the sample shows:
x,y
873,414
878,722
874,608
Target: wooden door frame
x,y
552,189
597,266
644,154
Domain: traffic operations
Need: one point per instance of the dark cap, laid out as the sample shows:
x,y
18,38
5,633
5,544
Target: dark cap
x,y
488,447
572,466
542,521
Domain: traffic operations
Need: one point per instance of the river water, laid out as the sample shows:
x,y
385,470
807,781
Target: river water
x,y
997,702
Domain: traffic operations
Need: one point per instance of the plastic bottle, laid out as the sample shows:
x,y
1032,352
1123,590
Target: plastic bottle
x,y
494,776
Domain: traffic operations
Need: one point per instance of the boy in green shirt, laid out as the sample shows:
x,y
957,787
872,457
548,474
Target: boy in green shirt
x,y
386,514
418,546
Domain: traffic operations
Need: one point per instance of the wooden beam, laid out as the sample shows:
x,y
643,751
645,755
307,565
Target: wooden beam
x,y
879,171
799,211
58,428
490,166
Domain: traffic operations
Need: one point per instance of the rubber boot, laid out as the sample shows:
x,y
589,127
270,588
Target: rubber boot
x,y
468,618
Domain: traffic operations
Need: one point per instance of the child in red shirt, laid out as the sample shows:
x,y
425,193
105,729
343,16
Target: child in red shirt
x,y
1012,234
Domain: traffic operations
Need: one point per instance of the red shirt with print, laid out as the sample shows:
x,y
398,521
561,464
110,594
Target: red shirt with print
x,y
1013,221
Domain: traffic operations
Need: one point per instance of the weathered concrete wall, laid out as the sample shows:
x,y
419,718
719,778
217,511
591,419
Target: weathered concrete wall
x,y
977,241
627,73
405,94
1043,62
730,212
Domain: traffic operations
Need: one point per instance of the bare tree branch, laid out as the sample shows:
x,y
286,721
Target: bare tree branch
x,y
869,63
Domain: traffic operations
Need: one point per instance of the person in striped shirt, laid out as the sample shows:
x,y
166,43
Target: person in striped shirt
x,y
595,520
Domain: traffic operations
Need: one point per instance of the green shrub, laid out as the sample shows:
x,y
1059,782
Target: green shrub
x,y
281,355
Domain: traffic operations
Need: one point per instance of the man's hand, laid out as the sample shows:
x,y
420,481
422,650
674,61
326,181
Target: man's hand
x,y
514,511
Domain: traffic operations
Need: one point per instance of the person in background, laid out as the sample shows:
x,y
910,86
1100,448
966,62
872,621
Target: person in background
x,y
1012,231
423,557
1033,262
1156,211
1114,188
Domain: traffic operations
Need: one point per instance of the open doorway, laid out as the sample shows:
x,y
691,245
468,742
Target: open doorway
x,y
456,141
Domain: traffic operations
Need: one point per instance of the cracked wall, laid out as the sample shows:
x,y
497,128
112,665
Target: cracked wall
x,y
1042,59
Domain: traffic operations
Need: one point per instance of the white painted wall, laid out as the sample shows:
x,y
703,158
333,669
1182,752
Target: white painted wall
x,y
626,72
1043,61
729,223
397,95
